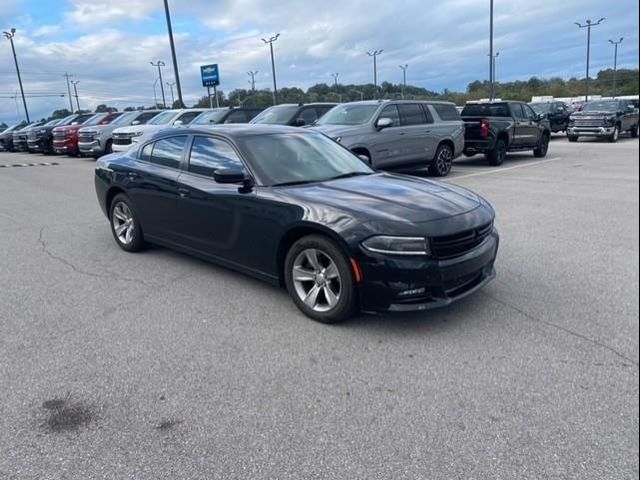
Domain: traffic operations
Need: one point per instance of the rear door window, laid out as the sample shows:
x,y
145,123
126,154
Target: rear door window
x,y
411,114
168,151
236,116
446,112
516,110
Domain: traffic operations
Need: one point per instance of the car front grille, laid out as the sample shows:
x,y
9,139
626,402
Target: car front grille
x,y
59,135
450,246
33,136
86,137
121,139
583,122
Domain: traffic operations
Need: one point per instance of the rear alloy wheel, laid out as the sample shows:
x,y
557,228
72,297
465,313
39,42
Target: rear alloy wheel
x,y
613,138
496,156
541,150
125,225
441,165
319,279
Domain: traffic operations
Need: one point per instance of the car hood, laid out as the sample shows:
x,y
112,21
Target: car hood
x,y
389,197
334,131
67,128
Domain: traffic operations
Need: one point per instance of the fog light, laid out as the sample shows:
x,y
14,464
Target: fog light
x,y
411,293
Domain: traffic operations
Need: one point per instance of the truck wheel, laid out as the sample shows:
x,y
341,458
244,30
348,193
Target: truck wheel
x,y
108,147
496,156
634,131
442,162
572,138
613,138
541,150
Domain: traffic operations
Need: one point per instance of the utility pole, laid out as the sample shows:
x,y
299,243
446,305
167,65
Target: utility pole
x,y
492,92
615,63
9,36
66,75
404,78
75,90
173,100
588,26
176,74
335,83
252,74
375,54
273,66
155,95
159,64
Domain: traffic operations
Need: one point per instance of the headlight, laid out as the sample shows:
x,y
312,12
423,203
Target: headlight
x,y
397,245
137,134
610,120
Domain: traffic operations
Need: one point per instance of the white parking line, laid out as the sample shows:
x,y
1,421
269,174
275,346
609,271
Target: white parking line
x,y
500,170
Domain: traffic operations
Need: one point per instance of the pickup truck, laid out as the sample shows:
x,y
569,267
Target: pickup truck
x,y
604,118
495,128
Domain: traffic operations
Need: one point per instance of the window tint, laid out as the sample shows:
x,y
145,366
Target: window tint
x,y
145,154
187,118
516,110
237,116
446,112
145,117
427,112
309,115
391,111
485,110
168,151
411,114
322,110
251,113
210,154
529,113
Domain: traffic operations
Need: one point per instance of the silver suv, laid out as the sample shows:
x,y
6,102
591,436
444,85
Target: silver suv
x,y
392,134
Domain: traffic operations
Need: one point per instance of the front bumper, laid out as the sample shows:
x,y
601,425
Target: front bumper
x,y
65,146
91,148
401,284
591,131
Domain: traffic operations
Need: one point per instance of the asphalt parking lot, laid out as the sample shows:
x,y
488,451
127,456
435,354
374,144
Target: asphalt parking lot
x,y
158,365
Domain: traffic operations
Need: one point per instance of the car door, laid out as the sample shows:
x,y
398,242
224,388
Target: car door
x,y
418,139
152,183
521,125
211,213
387,145
534,128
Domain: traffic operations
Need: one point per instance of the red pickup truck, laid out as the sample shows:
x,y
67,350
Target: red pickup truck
x,y
65,139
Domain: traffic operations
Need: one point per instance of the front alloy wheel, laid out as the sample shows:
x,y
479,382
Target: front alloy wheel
x,y
615,135
319,279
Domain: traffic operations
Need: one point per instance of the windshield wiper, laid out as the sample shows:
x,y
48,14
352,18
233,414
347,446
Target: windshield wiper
x,y
347,175
295,182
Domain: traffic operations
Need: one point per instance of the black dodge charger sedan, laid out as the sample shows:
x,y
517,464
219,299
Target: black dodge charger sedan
x,y
295,208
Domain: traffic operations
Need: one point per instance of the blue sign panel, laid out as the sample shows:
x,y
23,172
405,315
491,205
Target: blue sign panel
x,y
209,74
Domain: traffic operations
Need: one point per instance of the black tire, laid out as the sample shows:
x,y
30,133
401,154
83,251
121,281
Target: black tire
x,y
634,131
573,138
496,156
541,150
108,147
613,138
136,241
346,296
442,162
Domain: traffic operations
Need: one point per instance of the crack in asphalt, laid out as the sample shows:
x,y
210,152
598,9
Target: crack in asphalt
x,y
563,329
81,271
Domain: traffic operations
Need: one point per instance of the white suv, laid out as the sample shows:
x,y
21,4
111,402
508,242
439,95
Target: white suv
x,y
125,138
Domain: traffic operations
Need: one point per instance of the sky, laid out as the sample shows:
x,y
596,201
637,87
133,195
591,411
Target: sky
x,y
107,44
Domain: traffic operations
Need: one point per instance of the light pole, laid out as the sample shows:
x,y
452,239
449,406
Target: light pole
x,y
173,100
492,91
176,74
335,83
588,26
404,78
375,54
252,74
159,64
67,75
615,63
273,66
9,36
359,93
75,90
493,74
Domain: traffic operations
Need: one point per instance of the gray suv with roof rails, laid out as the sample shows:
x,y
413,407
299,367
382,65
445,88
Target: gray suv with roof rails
x,y
398,133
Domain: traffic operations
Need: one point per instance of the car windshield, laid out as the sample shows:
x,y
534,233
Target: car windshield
x,y
162,118
206,118
52,123
67,120
280,115
485,110
125,118
348,115
96,119
12,128
541,107
296,158
605,106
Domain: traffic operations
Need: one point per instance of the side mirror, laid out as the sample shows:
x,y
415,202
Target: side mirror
x,y
177,123
300,122
135,122
383,122
230,175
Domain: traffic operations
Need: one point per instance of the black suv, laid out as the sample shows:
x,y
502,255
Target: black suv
x,y
556,112
295,115
604,118
226,115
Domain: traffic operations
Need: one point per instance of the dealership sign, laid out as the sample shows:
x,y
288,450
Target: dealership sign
x,y
210,76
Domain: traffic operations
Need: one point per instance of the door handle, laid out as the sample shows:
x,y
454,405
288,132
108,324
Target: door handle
x,y
427,131
183,192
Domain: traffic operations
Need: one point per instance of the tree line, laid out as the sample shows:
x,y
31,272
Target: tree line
x,y
627,84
